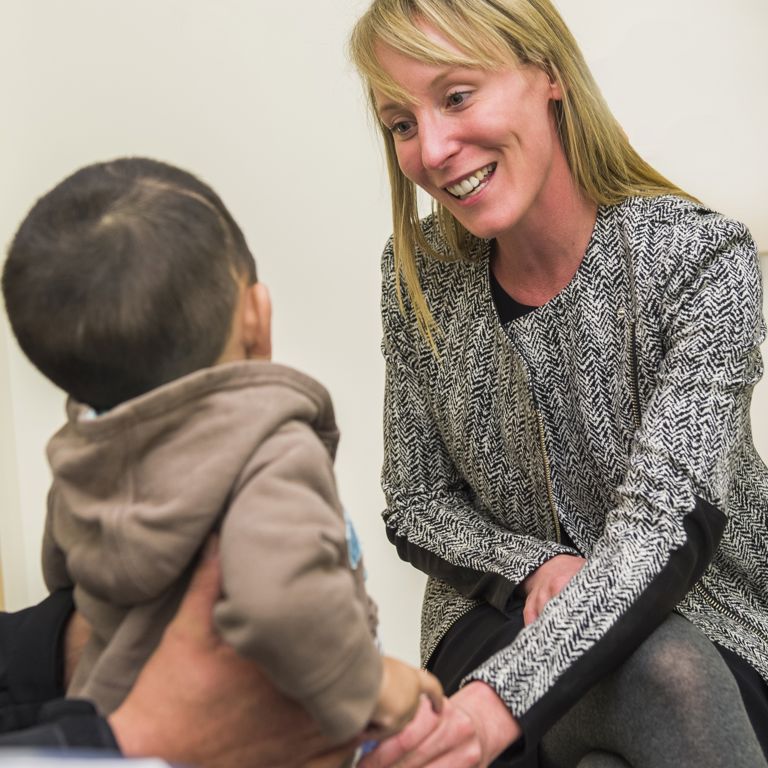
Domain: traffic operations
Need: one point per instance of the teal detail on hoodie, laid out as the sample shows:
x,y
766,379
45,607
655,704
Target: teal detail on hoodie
x,y
354,550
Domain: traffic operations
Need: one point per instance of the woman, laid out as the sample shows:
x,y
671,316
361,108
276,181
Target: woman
x,y
571,344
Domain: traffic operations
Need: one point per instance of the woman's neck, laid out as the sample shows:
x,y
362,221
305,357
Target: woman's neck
x,y
540,256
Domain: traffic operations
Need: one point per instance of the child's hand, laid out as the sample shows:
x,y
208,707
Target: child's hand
x,y
401,688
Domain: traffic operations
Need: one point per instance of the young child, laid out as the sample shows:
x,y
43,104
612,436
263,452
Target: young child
x,y
131,287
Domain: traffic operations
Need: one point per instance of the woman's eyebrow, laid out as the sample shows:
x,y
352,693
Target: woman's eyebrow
x,y
390,106
445,75
386,107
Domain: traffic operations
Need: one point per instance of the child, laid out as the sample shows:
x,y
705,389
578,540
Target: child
x,y
131,287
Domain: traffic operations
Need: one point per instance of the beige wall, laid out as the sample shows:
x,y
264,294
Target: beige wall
x,y
760,398
256,96
10,527
688,81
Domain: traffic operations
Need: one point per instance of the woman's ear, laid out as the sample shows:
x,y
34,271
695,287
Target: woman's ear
x,y
257,322
555,88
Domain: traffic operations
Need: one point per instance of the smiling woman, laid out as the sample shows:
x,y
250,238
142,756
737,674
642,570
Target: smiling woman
x,y
565,439
459,140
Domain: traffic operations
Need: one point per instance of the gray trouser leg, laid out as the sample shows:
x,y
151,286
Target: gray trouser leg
x,y
672,704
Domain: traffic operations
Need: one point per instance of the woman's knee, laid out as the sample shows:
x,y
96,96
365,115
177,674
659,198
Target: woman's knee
x,y
678,665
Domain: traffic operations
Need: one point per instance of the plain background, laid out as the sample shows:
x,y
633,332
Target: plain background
x,y
258,99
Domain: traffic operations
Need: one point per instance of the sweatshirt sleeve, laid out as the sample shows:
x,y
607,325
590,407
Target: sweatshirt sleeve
x,y
672,506
291,601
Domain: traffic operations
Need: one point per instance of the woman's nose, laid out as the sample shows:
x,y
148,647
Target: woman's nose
x,y
437,143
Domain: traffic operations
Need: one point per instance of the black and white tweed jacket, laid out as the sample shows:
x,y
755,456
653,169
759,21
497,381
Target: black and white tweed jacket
x,y
618,411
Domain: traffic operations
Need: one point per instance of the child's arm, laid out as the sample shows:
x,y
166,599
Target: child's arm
x,y
401,689
290,600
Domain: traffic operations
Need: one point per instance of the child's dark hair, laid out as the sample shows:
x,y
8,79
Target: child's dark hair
x,y
124,277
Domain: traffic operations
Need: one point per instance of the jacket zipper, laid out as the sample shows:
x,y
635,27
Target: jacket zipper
x,y
425,663
547,474
542,442
634,384
718,607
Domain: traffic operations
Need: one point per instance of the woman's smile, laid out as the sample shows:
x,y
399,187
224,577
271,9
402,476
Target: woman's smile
x,y
472,184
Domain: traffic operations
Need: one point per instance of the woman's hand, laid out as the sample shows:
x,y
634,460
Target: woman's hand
x,y
473,728
548,580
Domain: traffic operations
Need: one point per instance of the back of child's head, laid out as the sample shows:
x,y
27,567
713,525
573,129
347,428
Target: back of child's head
x,y
124,277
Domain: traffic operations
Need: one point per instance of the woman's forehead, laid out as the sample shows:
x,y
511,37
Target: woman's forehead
x,y
424,41
431,51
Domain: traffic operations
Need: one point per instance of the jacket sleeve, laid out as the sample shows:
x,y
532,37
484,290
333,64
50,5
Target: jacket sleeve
x,y
672,505
431,516
62,725
31,659
291,601
32,712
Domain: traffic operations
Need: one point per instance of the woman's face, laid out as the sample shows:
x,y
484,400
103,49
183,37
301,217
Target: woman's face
x,y
480,142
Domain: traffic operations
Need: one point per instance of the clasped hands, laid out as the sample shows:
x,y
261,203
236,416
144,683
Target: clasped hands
x,y
474,726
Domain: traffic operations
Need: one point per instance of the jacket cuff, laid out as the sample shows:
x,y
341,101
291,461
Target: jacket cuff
x,y
33,657
66,724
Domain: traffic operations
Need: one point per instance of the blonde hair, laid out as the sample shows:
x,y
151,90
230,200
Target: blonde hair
x,y
491,34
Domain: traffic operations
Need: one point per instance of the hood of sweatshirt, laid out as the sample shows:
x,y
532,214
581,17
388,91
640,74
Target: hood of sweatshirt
x,y
135,490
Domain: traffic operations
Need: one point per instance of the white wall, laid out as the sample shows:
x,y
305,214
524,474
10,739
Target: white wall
x,y
760,397
258,99
12,566
688,81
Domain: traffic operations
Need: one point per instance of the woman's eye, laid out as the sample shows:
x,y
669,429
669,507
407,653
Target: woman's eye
x,y
457,98
402,128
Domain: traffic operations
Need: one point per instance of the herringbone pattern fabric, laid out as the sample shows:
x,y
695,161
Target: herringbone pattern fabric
x,y
515,430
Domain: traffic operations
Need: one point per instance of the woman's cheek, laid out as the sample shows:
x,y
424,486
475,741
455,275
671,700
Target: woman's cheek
x,y
407,159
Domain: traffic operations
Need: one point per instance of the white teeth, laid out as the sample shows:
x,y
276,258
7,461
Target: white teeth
x,y
471,183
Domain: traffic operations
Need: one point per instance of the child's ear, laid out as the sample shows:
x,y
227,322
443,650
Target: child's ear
x,y
257,322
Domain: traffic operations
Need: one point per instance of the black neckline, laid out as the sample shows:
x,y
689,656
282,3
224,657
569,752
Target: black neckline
x,y
507,308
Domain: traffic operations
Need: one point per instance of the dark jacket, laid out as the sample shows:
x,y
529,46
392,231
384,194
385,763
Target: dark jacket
x,y
32,710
